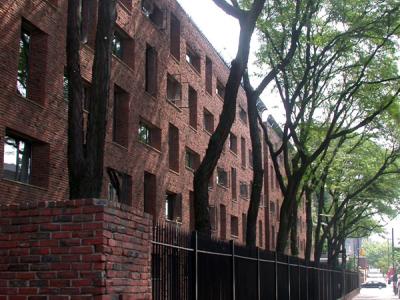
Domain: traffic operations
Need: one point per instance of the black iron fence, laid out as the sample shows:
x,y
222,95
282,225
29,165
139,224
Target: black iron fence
x,y
186,266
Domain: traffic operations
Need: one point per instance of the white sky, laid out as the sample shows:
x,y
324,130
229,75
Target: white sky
x,y
222,31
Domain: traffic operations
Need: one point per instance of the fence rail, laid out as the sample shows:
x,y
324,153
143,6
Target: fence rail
x,y
186,266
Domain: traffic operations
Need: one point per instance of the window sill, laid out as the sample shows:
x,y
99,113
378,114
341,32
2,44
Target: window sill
x,y
174,172
220,97
124,7
208,93
151,96
122,62
236,237
119,145
30,101
25,184
222,186
174,222
243,167
177,60
194,129
208,132
150,147
174,105
194,69
233,152
156,26
245,198
190,169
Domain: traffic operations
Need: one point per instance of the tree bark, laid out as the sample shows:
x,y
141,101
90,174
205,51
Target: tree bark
x,y
309,222
85,162
76,158
294,247
258,172
247,20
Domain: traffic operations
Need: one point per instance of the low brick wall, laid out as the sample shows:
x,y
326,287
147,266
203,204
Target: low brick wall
x,y
73,250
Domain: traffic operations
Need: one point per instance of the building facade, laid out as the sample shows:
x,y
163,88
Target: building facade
x,y
167,88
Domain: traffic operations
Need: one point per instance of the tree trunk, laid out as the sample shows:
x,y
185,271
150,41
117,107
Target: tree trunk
x,y
99,95
204,172
85,162
318,240
294,247
76,158
309,222
288,205
258,172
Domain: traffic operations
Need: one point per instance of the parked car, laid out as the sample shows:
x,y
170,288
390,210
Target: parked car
x,y
373,284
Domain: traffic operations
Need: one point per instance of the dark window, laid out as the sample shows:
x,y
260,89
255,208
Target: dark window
x,y
243,151
244,189
272,207
213,217
222,177
192,159
260,234
149,193
209,75
120,187
121,117
173,148
234,226
192,98
173,90
208,121
271,171
233,142
233,183
117,43
32,63
175,37
244,227
149,134
151,71
242,115
193,58
211,182
220,89
273,236
153,12
278,211
25,160
23,63
222,215
191,212
173,207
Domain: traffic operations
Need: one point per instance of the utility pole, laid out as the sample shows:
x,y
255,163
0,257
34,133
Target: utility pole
x,y
394,270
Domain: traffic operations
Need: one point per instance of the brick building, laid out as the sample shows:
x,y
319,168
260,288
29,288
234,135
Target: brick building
x,y
167,85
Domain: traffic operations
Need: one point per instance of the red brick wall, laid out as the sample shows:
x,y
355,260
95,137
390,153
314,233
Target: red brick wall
x,y
81,249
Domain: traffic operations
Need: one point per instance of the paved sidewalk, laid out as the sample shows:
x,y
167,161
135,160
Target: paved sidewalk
x,y
372,294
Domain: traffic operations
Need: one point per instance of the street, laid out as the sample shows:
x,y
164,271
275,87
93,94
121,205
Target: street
x,y
370,294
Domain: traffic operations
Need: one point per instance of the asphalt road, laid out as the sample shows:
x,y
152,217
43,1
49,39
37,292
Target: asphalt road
x,y
371,294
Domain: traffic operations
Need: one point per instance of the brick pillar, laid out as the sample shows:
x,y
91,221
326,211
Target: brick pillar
x,y
73,250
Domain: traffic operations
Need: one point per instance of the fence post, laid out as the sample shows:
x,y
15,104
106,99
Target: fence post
x,y
233,270
344,283
276,276
299,276
258,275
196,263
307,284
289,281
